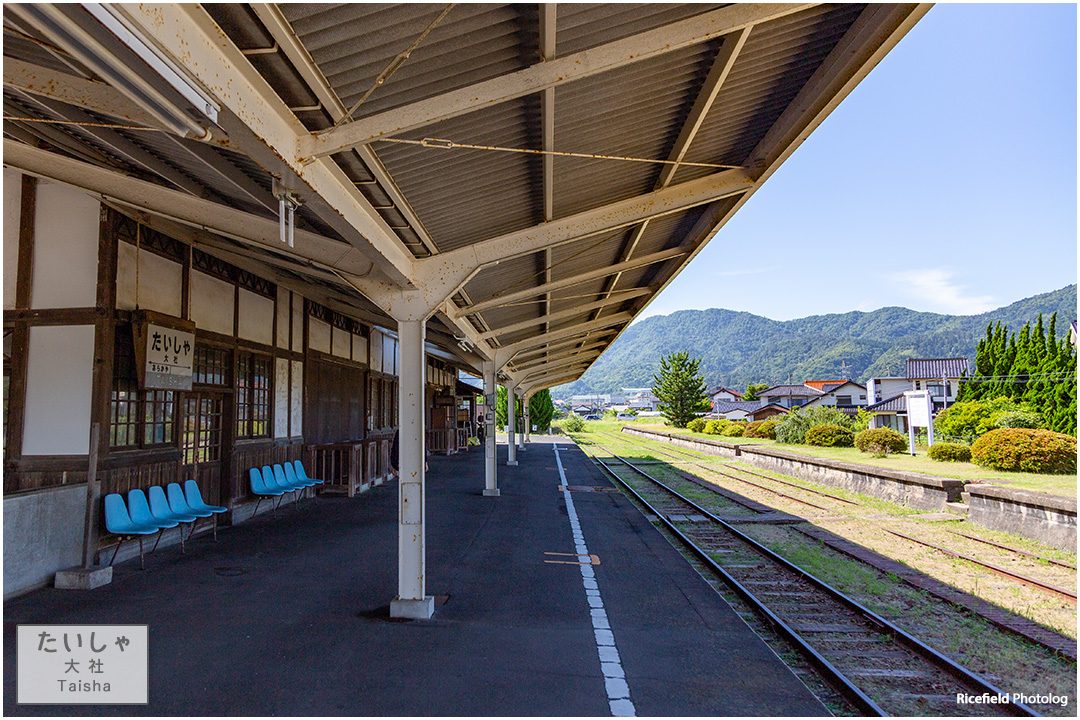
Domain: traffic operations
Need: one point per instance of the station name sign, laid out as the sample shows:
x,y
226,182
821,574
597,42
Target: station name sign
x,y
164,351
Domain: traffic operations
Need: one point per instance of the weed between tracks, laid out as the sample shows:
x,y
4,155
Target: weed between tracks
x,y
1012,663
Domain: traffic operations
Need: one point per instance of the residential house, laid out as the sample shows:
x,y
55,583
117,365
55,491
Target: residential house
x,y
941,376
725,394
824,385
890,413
789,396
849,396
736,409
640,399
767,411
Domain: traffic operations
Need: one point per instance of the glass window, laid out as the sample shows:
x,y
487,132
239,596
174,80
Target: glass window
x,y
253,384
137,418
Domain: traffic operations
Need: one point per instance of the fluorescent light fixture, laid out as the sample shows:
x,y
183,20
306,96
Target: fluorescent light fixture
x,y
130,79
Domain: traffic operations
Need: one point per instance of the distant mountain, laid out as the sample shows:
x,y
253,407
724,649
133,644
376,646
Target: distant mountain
x,y
737,347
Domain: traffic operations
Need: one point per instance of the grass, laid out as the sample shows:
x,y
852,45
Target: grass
x,y
1054,484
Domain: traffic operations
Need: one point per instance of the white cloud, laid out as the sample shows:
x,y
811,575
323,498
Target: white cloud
x,y
933,288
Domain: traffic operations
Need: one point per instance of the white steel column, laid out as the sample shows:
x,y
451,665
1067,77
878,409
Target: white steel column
x,y
511,423
491,480
528,415
411,601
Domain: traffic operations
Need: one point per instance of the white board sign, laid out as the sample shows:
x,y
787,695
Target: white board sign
x,y
918,407
164,351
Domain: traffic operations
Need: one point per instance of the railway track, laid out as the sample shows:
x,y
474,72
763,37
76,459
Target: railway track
x,y
1008,573
878,667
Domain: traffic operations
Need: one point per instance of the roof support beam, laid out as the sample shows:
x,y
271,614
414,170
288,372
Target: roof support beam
x,y
876,31
261,124
577,371
602,219
120,145
507,352
560,365
179,206
555,351
555,361
290,44
563,314
568,68
86,94
710,89
511,298
548,19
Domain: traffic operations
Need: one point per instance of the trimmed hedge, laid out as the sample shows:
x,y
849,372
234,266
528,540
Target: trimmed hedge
x,y
880,441
830,436
714,427
950,452
735,429
762,429
696,425
1024,450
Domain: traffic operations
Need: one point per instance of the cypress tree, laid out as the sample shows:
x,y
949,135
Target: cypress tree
x,y
541,410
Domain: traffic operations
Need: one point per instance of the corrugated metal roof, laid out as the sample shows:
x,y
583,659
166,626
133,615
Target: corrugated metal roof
x,y
460,197
895,404
936,368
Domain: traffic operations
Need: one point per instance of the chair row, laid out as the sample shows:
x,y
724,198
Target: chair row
x,y
166,508
280,480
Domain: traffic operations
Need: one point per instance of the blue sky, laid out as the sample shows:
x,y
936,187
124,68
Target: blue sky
x,y
945,182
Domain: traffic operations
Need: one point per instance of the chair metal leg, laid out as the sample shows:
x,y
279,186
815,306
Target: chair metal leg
x,y
257,501
117,550
159,534
142,562
215,527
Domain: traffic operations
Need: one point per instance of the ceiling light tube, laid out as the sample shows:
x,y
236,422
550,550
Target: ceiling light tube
x,y
84,47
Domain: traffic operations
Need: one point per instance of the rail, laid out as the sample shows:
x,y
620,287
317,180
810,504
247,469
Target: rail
x,y
339,465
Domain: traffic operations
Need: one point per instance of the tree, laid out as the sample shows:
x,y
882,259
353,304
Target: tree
x,y
541,410
680,388
752,389
500,407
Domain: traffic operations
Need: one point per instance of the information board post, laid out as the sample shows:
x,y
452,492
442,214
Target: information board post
x,y
920,413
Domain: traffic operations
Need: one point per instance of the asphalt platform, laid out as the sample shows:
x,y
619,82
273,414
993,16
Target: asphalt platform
x,y
290,615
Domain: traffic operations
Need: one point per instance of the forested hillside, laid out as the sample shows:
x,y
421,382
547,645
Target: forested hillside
x,y
738,347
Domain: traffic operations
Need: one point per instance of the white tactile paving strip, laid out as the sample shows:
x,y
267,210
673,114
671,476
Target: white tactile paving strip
x,y
618,691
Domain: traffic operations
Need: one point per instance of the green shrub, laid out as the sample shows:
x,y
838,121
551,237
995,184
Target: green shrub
x,y
830,436
1025,450
768,429
752,428
573,423
696,425
793,428
716,427
950,452
735,429
977,417
880,441
1017,419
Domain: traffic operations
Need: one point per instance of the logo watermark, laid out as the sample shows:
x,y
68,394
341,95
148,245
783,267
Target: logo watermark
x,y
83,664
1006,698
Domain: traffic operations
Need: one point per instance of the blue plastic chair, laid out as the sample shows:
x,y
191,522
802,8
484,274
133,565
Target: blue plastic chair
x,y
118,522
261,489
159,507
271,480
195,499
141,515
302,474
192,500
